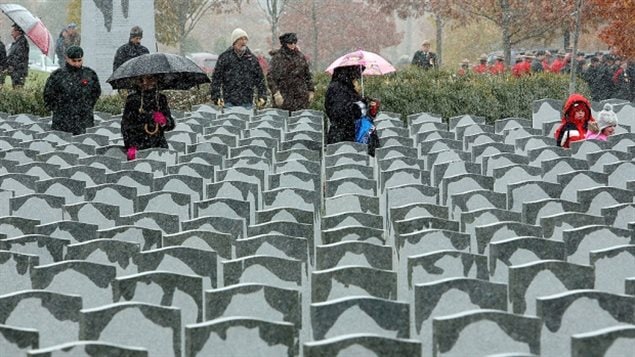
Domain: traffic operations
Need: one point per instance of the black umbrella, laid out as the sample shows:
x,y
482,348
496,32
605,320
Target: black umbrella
x,y
172,72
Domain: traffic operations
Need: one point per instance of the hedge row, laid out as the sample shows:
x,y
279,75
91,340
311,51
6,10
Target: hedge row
x,y
493,97
405,92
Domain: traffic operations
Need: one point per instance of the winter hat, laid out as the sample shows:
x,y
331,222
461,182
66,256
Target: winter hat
x,y
238,34
607,117
288,37
136,31
74,52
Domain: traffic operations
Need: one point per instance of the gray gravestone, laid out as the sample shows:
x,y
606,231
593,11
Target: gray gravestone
x,y
574,312
363,345
108,27
611,341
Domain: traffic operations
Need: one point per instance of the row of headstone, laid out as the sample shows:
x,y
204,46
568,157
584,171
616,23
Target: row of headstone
x,y
370,247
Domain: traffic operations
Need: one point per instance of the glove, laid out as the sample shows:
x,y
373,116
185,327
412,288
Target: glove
x,y
159,118
220,102
261,103
311,96
277,98
132,153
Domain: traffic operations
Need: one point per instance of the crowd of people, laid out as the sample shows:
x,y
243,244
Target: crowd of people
x,y
607,75
241,78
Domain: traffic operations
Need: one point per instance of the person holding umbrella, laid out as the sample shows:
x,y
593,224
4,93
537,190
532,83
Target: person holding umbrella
x,y
71,92
18,57
146,117
342,103
236,74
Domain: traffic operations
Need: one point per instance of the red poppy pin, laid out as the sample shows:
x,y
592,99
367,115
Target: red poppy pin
x,y
84,82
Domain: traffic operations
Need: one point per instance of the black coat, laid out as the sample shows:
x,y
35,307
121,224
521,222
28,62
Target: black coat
x,y
18,60
126,52
71,93
236,76
340,106
137,115
289,73
425,60
3,56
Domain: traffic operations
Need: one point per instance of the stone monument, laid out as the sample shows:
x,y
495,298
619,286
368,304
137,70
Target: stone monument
x,y
106,26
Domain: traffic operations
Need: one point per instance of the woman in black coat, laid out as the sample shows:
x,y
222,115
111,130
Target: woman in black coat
x,y
341,105
146,117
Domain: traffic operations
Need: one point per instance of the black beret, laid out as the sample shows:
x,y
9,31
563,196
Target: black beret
x,y
288,37
74,52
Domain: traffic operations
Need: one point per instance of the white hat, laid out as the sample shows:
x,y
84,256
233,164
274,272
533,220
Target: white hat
x,y
238,33
607,117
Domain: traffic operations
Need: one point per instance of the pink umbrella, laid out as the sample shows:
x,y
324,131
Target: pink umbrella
x,y
375,64
32,26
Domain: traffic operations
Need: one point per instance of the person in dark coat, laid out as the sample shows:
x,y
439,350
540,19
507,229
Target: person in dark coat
x,y
71,93
236,74
146,117
69,36
130,50
341,103
424,58
3,62
289,76
18,57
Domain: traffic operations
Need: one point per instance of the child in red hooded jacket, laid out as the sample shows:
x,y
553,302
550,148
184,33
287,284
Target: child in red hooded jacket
x,y
575,120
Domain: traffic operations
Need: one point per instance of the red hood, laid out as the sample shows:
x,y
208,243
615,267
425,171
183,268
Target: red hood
x,y
576,98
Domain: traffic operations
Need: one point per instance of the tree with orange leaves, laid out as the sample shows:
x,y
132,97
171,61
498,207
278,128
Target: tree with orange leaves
x,y
619,30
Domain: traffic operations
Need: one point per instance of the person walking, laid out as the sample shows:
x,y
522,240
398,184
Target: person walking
x,y
342,103
69,36
130,50
237,74
146,117
289,77
3,62
17,64
71,92
424,58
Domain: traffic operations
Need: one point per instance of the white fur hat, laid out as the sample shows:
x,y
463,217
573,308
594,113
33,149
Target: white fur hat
x,y
607,117
238,33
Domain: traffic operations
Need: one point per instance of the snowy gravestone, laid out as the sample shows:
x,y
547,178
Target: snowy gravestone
x,y
106,26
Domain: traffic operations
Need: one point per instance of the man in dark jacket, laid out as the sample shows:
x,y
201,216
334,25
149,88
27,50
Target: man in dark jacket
x,y
71,93
3,62
18,57
289,76
236,74
68,37
424,58
130,50
341,103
